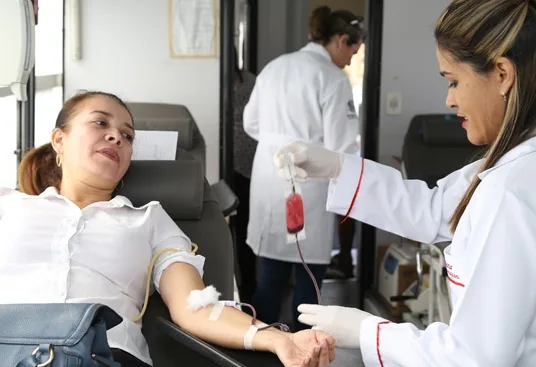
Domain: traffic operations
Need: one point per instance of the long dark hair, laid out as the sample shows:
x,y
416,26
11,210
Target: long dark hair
x,y
324,24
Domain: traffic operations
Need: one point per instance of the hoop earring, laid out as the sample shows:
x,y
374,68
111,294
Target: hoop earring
x,y
122,185
58,160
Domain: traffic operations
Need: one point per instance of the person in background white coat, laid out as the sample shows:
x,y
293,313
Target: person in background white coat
x,y
487,209
302,95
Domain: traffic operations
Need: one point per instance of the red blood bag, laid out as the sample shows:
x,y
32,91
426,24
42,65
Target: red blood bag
x,y
295,216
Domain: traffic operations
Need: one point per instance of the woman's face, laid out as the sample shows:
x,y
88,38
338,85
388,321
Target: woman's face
x,y
479,99
97,148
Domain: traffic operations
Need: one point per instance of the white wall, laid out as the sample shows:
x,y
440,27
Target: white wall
x,y
409,66
126,51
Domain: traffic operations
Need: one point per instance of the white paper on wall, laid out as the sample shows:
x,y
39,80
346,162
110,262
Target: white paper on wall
x,y
155,145
193,28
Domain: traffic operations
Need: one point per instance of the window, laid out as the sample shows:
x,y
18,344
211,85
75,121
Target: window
x,y
8,141
49,38
47,106
356,72
49,96
48,68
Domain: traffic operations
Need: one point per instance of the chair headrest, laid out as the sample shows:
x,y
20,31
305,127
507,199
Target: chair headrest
x,y
177,185
165,117
444,130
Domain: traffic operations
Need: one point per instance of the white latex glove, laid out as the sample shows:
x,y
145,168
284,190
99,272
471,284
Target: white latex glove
x,y
310,161
342,323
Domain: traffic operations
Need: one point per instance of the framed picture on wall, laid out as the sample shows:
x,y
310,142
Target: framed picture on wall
x,y
193,28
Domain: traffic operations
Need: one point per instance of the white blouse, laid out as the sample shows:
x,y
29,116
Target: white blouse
x,y
51,251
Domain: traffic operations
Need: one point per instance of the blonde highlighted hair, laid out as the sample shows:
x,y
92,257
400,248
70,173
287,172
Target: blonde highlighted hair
x,y
477,33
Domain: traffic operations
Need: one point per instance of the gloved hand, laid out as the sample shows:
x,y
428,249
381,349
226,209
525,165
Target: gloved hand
x,y
343,323
310,161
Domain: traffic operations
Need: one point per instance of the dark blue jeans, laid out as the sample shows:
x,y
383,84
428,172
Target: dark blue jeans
x,y
273,282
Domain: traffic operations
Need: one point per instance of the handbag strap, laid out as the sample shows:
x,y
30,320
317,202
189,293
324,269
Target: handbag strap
x,y
43,356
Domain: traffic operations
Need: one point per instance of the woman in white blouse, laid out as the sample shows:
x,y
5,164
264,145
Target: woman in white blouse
x,y
65,238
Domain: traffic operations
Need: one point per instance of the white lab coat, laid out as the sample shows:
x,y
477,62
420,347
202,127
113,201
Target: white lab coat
x,y
298,96
491,260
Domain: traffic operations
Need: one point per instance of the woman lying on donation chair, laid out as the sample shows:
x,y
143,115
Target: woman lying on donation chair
x,y
67,238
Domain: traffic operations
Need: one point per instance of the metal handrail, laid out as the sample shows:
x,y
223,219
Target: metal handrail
x,y
44,82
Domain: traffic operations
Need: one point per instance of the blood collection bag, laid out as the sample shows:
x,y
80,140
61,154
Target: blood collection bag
x,y
295,220
294,207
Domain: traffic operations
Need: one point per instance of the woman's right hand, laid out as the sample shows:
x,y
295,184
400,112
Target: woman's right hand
x,y
310,161
306,348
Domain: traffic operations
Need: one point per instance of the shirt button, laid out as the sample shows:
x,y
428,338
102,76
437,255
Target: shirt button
x,y
61,288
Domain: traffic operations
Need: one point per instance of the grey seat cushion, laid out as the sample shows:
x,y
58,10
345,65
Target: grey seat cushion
x,y
177,185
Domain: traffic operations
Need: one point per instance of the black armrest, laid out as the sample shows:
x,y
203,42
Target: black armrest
x,y
221,356
225,196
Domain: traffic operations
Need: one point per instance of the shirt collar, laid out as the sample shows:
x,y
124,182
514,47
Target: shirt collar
x,y
527,147
317,48
117,201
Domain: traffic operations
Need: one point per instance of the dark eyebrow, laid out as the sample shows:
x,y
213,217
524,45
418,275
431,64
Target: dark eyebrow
x,y
108,114
444,73
129,125
103,113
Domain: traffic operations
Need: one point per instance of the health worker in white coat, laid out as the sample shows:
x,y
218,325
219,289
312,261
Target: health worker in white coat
x,y
303,95
486,50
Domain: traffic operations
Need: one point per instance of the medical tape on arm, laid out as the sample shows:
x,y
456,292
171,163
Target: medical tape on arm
x,y
250,334
207,297
218,309
248,338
